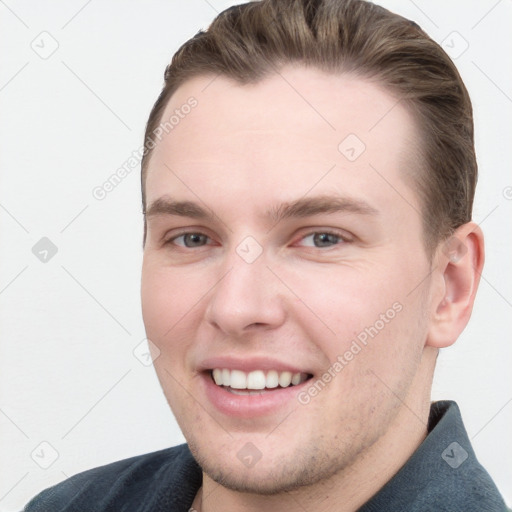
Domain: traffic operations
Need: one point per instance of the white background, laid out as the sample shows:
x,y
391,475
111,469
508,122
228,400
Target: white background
x,y
68,374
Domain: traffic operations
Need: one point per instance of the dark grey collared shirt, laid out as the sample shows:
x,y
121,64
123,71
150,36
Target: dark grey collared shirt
x,y
442,475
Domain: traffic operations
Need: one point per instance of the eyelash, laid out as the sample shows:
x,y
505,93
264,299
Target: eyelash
x,y
342,239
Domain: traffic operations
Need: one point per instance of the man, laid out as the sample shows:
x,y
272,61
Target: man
x,y
307,188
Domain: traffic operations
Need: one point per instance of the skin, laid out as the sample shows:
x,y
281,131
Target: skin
x,y
242,150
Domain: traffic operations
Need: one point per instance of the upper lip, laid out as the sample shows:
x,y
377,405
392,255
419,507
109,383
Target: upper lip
x,y
250,364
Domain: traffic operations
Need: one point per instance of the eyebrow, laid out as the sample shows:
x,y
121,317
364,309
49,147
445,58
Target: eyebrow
x,y
300,208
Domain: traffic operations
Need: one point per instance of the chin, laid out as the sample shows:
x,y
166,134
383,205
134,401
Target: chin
x,y
278,475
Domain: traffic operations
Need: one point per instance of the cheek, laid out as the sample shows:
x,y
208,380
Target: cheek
x,y
344,301
162,308
168,309
366,314
167,296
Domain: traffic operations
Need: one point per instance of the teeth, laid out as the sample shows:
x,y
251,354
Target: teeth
x,y
256,380
237,379
226,377
217,376
285,378
272,380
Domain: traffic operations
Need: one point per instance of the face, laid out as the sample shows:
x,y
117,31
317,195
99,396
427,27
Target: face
x,y
284,243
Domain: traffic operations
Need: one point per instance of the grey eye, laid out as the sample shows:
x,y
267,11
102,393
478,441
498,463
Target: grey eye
x,y
322,239
192,239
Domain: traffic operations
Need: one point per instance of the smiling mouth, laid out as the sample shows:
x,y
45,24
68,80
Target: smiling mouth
x,y
256,382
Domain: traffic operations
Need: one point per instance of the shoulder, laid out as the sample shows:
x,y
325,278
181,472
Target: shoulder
x,y
462,482
169,476
443,474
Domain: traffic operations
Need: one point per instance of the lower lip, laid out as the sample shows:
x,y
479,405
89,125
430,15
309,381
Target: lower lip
x,y
248,406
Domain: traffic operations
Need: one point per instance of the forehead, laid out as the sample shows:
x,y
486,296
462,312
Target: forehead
x,y
295,130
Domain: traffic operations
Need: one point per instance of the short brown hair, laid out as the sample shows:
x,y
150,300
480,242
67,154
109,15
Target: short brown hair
x,y
250,41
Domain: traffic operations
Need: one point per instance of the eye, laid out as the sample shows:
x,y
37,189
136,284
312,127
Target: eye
x,y
317,239
189,240
323,239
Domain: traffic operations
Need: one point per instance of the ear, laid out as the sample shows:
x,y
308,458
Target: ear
x,y
459,260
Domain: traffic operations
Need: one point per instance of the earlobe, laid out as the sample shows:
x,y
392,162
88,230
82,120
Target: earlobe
x,y
460,261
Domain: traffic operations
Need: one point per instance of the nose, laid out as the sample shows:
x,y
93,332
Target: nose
x,y
247,297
